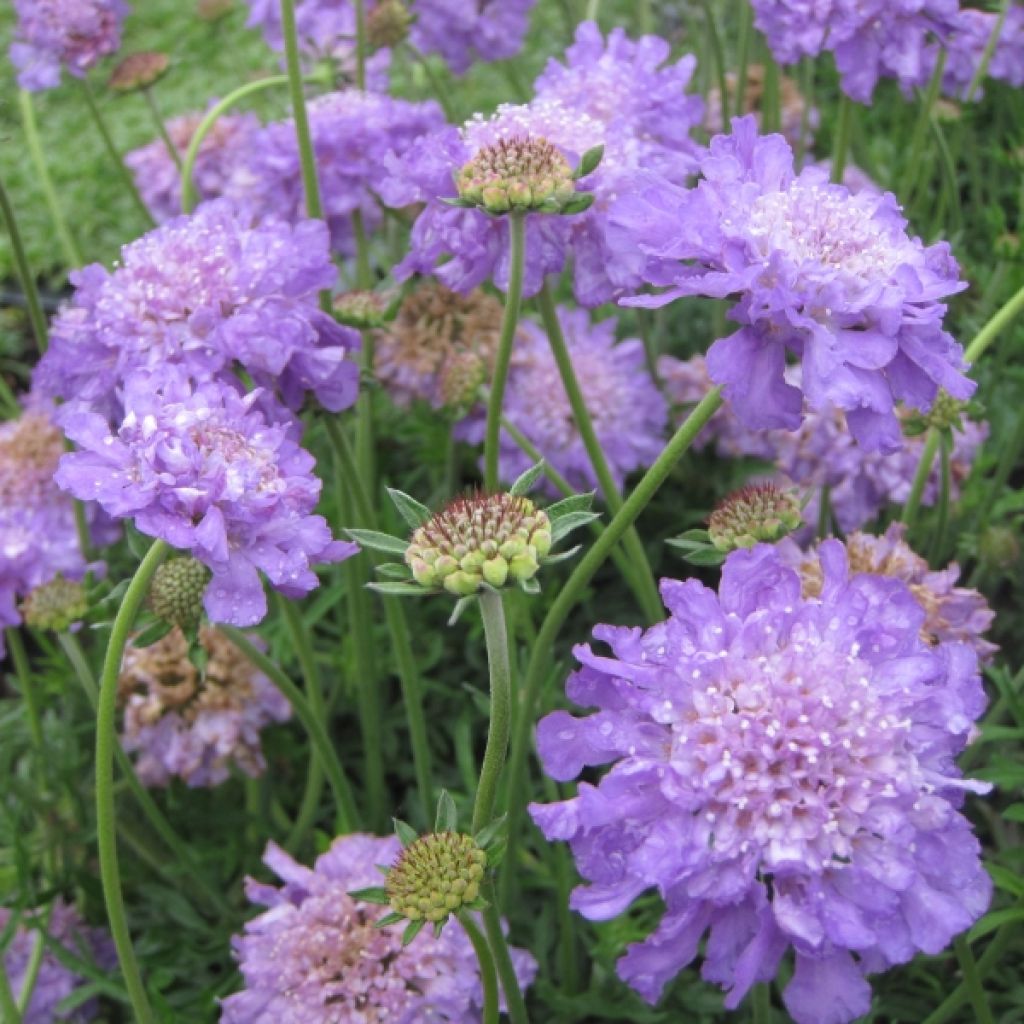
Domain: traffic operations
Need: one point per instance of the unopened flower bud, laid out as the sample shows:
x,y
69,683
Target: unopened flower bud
x,y
946,412
522,173
998,546
462,376
138,71
387,24
755,514
360,310
176,593
55,605
435,876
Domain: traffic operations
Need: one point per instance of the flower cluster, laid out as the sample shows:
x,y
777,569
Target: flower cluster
x,y
180,723
965,45
782,774
223,150
55,981
38,540
614,93
203,468
317,954
830,277
55,34
202,293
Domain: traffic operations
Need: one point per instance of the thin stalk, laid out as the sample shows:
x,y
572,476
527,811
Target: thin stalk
x,y
436,85
348,816
161,128
948,1008
540,656
502,957
360,44
771,114
509,320
986,56
632,544
761,1003
488,978
924,468
942,519
975,990
72,254
841,143
25,276
35,961
106,744
8,1007
365,447
743,58
824,512
807,94
127,181
23,672
715,39
996,324
911,177
189,196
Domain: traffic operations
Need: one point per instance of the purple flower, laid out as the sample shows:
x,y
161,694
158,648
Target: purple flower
x,y
628,413
782,774
952,614
316,955
203,292
179,723
461,33
827,276
352,132
55,982
970,33
55,34
158,178
203,468
38,540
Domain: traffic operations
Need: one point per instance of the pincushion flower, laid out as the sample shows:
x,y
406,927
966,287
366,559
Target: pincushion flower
x,y
965,45
352,131
208,471
782,774
316,954
55,981
203,292
462,34
70,34
179,723
223,150
820,274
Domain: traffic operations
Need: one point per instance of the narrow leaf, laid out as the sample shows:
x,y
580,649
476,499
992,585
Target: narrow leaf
x,y
446,817
373,894
413,928
409,509
574,503
561,556
460,606
526,480
530,586
157,631
387,919
397,589
394,571
378,541
589,162
579,203
565,524
490,832
406,833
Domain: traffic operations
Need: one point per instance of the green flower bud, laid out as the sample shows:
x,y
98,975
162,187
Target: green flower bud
x,y
360,310
759,513
436,876
55,605
387,24
520,173
176,593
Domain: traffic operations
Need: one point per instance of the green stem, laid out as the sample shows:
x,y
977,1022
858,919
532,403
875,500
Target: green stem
x,y
436,85
492,612
948,1008
924,468
517,249
189,196
127,181
360,44
35,961
841,143
570,593
72,254
348,816
25,276
986,56
365,447
824,512
715,39
746,19
975,990
761,1003
996,324
503,958
911,177
161,128
106,744
942,519
632,544
23,672
771,113
8,1007
488,978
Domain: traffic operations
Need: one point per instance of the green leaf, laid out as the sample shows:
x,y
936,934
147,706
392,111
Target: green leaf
x,y
387,919
561,556
405,832
570,521
398,589
409,509
439,927
457,201
530,586
526,480
446,816
579,203
588,162
157,631
394,571
489,833
412,929
990,922
373,894
711,556
460,606
379,541
1015,812
574,503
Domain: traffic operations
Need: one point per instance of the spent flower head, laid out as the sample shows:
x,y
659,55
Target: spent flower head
x,y
55,605
138,71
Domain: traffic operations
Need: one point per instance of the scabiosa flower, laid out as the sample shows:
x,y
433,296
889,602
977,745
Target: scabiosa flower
x,y
352,131
627,410
462,34
758,512
55,982
38,539
223,150
782,774
965,45
55,34
952,614
417,354
316,954
209,471
830,277
196,727
203,292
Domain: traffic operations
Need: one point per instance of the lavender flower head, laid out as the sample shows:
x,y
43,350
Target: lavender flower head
x,y
830,277
611,94
462,34
628,413
965,45
158,178
55,34
952,614
782,774
202,292
316,956
55,982
38,540
352,132
209,471
194,727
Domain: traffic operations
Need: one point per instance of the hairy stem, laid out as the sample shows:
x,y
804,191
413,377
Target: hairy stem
x,y
488,978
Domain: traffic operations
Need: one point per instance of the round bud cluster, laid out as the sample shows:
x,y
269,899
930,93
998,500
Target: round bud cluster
x,y
176,593
462,376
138,71
490,539
519,173
360,309
213,10
435,876
998,546
946,412
55,605
755,514
387,24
